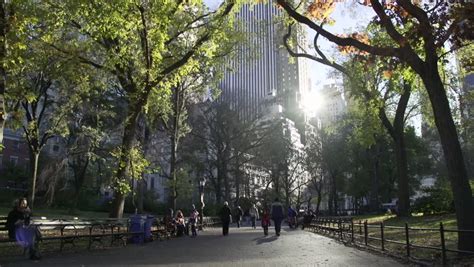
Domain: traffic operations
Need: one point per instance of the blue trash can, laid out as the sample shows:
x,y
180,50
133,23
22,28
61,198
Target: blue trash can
x,y
137,223
147,227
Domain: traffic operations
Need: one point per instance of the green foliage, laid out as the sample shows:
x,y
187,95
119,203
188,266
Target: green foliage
x,y
138,165
438,199
90,200
184,186
151,203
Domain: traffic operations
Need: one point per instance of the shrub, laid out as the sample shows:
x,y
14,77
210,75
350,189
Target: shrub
x,y
438,199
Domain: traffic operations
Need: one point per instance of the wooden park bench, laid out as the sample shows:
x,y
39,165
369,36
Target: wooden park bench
x,y
95,230
3,230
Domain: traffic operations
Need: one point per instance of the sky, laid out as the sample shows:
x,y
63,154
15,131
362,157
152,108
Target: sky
x,y
348,16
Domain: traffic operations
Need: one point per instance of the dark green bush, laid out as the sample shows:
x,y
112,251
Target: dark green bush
x,y
438,199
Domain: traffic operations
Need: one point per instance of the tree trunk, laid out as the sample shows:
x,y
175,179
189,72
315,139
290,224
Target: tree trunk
x,y
79,175
3,73
218,190
51,192
462,192
397,133
121,177
402,169
276,180
318,202
225,176
333,196
140,194
34,174
173,190
237,178
374,192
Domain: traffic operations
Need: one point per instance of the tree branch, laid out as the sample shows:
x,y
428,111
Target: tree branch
x,y
347,41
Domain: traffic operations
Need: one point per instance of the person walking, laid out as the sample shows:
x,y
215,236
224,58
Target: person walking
x,y
180,224
238,215
277,215
291,217
253,215
193,217
225,215
20,229
265,221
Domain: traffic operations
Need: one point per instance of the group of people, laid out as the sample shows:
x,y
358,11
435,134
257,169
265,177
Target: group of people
x,y
276,213
179,225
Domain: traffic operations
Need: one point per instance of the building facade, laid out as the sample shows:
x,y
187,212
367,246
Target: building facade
x,y
263,67
266,83
335,103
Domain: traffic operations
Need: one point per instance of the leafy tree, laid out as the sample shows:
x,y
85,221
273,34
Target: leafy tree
x,y
380,84
147,47
91,120
413,25
313,165
15,25
226,142
34,92
191,90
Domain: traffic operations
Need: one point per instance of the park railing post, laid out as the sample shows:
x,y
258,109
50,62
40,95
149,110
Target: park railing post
x,y
360,227
382,236
366,234
339,225
443,244
407,237
352,230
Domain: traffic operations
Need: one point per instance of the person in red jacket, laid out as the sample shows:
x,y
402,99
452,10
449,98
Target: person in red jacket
x,y
265,221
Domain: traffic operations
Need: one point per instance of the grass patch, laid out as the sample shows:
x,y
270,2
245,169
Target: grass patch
x,y
394,229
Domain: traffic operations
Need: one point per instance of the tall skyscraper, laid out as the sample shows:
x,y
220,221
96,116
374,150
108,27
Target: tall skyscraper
x,y
263,68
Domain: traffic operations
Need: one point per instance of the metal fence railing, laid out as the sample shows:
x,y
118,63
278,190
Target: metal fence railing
x,y
402,240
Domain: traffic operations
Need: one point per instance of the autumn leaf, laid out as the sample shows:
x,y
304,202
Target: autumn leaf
x,y
361,37
387,74
321,9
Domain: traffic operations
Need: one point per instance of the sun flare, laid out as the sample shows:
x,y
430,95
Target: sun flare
x,y
312,103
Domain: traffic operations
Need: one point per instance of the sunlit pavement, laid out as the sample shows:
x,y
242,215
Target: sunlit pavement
x,y
243,247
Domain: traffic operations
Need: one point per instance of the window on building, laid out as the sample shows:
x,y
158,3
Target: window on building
x,y
55,148
152,183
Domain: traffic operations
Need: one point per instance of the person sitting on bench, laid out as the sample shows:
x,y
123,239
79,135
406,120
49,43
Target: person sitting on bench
x,y
20,229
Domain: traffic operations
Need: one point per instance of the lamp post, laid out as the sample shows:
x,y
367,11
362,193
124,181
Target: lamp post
x,y
202,184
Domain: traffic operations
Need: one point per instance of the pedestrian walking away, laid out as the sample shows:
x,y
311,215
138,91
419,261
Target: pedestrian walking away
x,y
238,215
20,229
277,215
265,221
225,215
193,217
253,215
292,217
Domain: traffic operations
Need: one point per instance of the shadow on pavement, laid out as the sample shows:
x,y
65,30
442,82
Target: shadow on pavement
x,y
265,239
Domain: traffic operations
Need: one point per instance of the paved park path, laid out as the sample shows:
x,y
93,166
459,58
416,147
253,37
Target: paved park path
x,y
243,247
